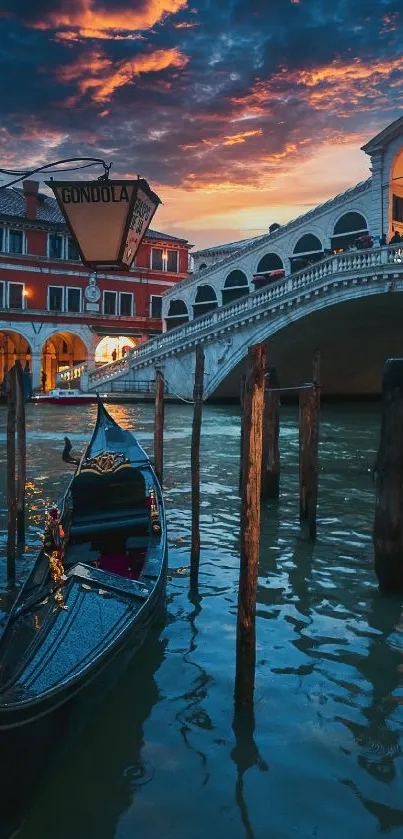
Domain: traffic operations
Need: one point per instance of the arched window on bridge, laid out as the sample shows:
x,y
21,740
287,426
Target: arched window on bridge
x,y
206,301
177,314
308,250
235,286
347,229
270,262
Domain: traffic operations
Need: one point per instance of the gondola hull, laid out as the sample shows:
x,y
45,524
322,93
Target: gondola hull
x,y
71,634
33,742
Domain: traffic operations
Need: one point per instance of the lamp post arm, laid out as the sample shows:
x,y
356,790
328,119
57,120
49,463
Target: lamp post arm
x,y
48,167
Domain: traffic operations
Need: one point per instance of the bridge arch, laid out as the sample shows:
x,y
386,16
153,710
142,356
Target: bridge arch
x,y
236,285
348,226
264,330
270,262
177,313
205,300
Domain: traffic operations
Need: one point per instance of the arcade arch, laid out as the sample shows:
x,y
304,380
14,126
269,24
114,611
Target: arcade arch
x,y
308,249
235,286
60,351
177,314
13,347
347,228
205,301
270,262
113,347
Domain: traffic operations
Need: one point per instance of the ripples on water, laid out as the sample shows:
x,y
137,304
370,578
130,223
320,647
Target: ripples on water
x,y
161,758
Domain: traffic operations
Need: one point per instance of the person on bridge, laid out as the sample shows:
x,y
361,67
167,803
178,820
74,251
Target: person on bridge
x,y
396,238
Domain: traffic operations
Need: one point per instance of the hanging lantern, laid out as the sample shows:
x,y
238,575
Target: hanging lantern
x,y
107,219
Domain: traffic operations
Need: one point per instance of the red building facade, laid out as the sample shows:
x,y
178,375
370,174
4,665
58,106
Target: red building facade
x,y
53,313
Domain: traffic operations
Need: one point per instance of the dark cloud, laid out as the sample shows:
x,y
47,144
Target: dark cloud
x,y
199,92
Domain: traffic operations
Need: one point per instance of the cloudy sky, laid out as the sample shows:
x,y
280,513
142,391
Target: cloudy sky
x,y
238,112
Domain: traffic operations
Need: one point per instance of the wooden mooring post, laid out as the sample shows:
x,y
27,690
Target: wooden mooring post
x,y
388,519
271,428
250,526
241,402
159,425
309,406
21,452
195,464
11,488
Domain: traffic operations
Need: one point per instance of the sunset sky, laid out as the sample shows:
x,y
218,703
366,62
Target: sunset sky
x,y
238,112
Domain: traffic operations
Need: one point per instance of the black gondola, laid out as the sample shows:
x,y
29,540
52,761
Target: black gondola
x,y
96,588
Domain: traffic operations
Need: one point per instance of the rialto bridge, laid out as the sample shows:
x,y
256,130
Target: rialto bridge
x,y
349,306
334,294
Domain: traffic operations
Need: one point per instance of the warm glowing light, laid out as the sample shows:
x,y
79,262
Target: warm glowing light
x,y
26,293
113,348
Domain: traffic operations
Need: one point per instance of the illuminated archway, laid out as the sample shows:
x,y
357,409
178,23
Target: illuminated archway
x,y
112,348
13,347
396,195
60,351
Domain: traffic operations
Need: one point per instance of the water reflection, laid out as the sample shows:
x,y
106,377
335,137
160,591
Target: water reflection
x,y
159,758
245,755
108,756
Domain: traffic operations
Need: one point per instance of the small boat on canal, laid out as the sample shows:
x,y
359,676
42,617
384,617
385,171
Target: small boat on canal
x,y
64,396
95,590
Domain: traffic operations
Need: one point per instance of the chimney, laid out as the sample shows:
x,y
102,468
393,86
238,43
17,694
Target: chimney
x,y
31,198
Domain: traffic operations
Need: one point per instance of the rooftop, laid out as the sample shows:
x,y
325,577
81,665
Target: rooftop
x,y
12,206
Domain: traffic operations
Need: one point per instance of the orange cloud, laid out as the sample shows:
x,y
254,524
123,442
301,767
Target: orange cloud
x,y
90,22
234,139
228,140
336,86
104,76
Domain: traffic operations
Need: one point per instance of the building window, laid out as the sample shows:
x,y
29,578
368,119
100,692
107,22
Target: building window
x,y
72,252
110,302
73,299
2,301
15,242
2,239
156,259
16,295
55,246
126,303
55,298
172,261
397,211
155,306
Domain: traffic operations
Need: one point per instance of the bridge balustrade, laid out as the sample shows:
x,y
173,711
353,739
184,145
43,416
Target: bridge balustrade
x,y
335,265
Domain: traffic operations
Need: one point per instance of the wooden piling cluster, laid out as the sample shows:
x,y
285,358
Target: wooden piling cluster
x,y
252,423
195,463
270,487
309,405
388,473
159,426
16,466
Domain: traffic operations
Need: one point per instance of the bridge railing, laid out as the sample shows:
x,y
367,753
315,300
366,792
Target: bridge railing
x,y
335,265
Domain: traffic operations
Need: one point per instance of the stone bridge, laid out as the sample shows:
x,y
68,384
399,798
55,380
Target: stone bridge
x,y
347,305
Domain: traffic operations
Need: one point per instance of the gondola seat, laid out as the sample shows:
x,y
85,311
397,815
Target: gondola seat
x,y
103,504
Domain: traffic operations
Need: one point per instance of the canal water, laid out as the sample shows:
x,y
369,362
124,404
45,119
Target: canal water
x,y
161,757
